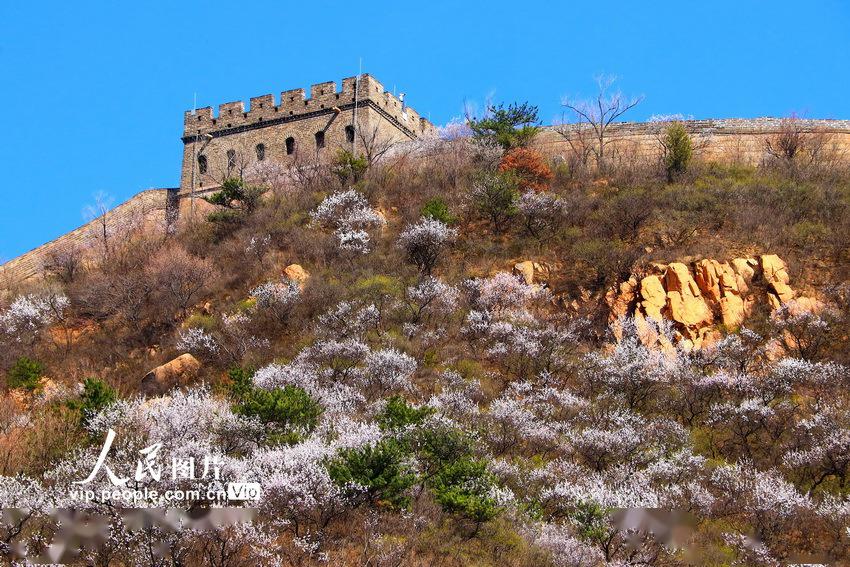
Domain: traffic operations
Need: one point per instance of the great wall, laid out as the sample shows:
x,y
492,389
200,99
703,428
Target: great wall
x,y
214,146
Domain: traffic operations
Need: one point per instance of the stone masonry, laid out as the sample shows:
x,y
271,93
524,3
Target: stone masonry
x,y
296,129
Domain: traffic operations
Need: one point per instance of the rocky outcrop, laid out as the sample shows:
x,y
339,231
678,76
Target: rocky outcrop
x,y
297,274
775,274
696,298
177,372
685,302
531,272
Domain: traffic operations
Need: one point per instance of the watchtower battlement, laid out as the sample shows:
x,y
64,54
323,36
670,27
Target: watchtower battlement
x,y
293,128
294,104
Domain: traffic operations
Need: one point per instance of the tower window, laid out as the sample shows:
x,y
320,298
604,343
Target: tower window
x,y
231,159
202,163
320,140
290,146
261,152
349,134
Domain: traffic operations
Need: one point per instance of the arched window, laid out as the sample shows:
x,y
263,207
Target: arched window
x,y
290,146
320,140
261,152
202,163
231,159
349,134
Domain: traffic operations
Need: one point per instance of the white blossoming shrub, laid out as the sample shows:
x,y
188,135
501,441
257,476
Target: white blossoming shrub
x,y
277,298
27,315
425,241
349,215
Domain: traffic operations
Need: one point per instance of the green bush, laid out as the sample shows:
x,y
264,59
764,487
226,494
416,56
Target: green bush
x,y
241,383
495,196
679,149
236,194
464,487
441,445
381,474
288,413
348,168
25,374
397,415
437,209
96,396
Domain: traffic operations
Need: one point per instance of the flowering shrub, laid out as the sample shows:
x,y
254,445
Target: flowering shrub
x,y
29,314
348,213
424,241
277,298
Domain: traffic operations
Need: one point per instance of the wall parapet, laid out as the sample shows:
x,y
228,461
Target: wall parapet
x,y
135,209
708,126
294,104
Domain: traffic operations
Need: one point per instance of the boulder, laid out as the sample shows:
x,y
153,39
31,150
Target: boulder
x,y
732,311
531,272
745,270
176,372
707,275
297,274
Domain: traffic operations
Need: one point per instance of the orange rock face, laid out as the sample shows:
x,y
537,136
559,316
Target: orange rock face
x,y
712,291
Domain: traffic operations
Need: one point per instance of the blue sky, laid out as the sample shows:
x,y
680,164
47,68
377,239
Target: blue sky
x,y
93,93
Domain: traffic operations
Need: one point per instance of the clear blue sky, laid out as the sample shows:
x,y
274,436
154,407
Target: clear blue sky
x,y
93,93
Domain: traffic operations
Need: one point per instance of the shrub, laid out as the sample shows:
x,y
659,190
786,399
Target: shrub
x,y
236,194
25,374
529,168
379,474
678,149
495,195
424,242
398,415
543,214
241,383
348,168
288,413
96,396
464,487
437,209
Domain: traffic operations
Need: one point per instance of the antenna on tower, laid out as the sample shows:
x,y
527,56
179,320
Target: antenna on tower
x,y
356,101
194,102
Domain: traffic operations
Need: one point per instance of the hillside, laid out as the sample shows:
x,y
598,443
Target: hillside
x,y
467,352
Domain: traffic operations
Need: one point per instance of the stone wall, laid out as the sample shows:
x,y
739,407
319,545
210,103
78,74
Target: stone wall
x,y
238,133
153,208
730,139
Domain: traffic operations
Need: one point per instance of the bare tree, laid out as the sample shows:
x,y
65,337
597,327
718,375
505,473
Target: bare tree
x,y
179,277
375,143
97,214
65,263
795,145
593,117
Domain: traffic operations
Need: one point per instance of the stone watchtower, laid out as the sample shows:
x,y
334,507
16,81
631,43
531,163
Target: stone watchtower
x,y
297,129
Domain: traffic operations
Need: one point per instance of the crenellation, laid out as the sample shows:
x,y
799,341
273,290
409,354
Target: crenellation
x,y
348,84
322,90
229,110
